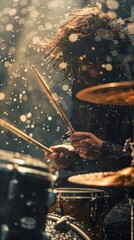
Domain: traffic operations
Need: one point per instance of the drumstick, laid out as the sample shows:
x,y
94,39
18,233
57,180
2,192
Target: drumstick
x,y
21,134
54,102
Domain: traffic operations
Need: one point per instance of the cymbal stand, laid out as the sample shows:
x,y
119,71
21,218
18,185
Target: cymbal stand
x,y
132,154
131,203
130,191
131,196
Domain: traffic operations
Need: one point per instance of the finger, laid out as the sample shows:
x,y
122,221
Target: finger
x,y
52,157
79,144
84,155
83,143
89,141
54,149
57,149
80,135
81,149
61,162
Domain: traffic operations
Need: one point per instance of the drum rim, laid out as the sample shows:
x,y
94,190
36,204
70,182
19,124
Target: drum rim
x,y
8,157
27,171
74,190
73,226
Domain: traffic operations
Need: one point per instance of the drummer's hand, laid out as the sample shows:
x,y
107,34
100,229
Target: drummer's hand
x,y
61,156
86,144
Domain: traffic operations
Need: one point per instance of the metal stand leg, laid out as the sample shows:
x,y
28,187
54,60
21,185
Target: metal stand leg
x,y
131,203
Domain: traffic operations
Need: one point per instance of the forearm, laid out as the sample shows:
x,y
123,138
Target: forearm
x,y
111,155
111,150
114,152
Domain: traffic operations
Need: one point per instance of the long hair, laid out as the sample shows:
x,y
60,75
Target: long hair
x,y
86,36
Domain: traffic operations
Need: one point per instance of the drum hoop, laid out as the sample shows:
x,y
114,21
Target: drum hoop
x,y
78,194
78,197
9,167
19,158
78,191
72,226
25,170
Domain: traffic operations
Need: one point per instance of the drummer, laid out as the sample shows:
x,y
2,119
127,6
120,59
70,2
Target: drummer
x,y
92,46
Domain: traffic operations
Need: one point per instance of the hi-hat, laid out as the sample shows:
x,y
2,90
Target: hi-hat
x,y
121,178
121,93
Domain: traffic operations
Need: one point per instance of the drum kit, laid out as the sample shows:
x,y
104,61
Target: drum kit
x,y
114,94
121,93
27,192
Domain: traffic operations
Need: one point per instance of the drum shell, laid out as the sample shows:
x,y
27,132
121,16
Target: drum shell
x,y
30,192
24,191
87,206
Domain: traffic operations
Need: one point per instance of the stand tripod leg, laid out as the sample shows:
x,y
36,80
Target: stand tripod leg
x,y
131,203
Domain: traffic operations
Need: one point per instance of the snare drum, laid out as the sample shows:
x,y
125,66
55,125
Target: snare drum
x,y
86,205
24,184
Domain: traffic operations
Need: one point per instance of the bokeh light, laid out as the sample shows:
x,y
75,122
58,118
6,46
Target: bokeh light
x,y
24,24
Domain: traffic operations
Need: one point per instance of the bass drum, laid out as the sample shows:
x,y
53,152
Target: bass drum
x,y
65,228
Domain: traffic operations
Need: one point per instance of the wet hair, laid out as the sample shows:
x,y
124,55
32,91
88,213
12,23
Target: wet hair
x,y
90,37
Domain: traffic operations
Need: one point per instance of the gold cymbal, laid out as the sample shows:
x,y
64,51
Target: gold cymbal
x,y
121,93
121,178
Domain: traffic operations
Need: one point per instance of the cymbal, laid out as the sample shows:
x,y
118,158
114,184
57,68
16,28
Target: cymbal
x,y
121,93
121,178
